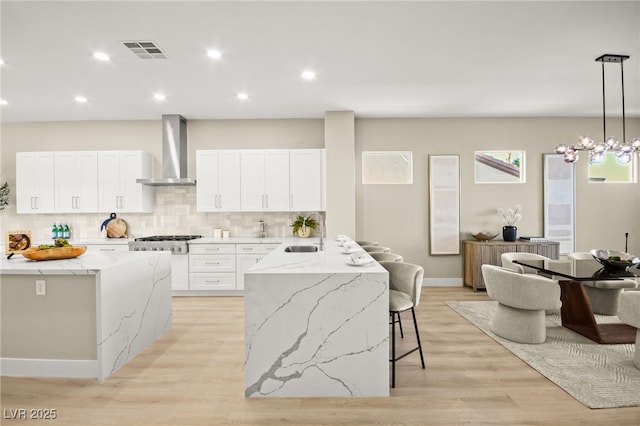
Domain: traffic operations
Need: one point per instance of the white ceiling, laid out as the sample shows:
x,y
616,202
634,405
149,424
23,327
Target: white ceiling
x,y
378,59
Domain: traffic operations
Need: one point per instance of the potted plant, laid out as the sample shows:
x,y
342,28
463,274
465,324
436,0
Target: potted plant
x,y
303,225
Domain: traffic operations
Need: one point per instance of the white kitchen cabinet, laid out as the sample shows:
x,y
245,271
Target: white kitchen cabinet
x,y
76,181
218,177
212,267
248,255
306,177
118,190
35,182
264,180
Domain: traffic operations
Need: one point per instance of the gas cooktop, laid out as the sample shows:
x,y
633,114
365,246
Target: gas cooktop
x,y
169,238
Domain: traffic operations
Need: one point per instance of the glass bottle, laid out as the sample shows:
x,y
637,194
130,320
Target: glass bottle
x,y
54,232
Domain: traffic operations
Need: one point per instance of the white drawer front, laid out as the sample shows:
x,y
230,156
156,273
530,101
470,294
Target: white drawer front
x,y
206,263
213,281
108,247
268,248
248,248
212,248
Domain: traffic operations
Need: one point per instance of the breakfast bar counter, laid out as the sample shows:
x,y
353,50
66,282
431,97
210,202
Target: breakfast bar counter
x,y
86,317
316,325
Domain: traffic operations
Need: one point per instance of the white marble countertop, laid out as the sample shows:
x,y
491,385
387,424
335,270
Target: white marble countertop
x,y
329,260
90,263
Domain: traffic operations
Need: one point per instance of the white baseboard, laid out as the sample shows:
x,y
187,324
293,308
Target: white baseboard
x,y
73,368
442,282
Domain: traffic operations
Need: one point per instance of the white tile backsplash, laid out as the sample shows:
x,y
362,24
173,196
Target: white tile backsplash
x,y
174,213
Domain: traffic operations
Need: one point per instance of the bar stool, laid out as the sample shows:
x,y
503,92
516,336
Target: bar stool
x,y
367,243
373,249
381,256
405,284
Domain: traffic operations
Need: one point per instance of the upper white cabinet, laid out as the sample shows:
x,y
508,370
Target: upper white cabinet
x,y
306,179
76,181
118,190
218,177
34,182
265,180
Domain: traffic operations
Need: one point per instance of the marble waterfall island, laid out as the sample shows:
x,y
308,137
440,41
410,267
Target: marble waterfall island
x,y
99,310
315,326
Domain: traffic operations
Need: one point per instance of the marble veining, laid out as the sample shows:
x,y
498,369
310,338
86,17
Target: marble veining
x,y
313,333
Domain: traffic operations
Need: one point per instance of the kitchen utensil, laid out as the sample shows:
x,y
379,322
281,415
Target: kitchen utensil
x,y
117,228
104,224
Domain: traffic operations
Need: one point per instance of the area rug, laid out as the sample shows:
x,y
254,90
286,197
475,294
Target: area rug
x,y
599,376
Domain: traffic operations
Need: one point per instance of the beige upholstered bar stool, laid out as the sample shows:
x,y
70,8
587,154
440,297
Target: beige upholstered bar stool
x,y
604,296
405,284
367,243
373,249
381,256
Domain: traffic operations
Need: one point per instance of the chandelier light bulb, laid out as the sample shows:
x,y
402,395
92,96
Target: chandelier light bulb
x,y
596,157
635,143
623,157
611,142
561,149
570,157
586,142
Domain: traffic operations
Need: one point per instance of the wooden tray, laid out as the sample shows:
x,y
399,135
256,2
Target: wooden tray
x,y
54,253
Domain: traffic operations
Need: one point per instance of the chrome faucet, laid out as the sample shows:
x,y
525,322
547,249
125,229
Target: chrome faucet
x,y
322,226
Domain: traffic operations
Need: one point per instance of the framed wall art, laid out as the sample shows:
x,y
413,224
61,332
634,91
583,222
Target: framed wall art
x,y
559,201
444,204
499,167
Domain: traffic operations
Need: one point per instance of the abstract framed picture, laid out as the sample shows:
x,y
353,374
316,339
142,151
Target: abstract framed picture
x,y
444,204
499,167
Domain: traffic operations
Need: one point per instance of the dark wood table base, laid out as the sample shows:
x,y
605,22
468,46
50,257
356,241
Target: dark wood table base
x,y
577,316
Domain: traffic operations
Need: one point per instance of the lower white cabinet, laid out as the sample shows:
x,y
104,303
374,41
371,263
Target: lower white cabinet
x,y
248,255
212,267
221,267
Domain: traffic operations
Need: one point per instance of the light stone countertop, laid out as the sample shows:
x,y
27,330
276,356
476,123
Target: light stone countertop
x,y
90,263
330,260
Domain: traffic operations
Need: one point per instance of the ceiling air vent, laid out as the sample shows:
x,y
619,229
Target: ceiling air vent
x,y
145,49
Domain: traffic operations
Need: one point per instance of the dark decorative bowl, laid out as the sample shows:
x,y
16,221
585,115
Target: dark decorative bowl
x,y
485,235
617,260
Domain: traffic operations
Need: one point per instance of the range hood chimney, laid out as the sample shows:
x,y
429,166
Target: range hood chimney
x,y
174,153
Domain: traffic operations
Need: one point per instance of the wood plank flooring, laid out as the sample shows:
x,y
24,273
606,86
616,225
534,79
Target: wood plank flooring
x,y
194,376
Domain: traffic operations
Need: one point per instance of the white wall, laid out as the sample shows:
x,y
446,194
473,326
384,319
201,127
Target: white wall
x,y
394,215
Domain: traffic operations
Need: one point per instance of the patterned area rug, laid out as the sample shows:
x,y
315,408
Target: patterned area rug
x,y
599,376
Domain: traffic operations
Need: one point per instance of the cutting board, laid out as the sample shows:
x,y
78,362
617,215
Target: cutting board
x,y
117,228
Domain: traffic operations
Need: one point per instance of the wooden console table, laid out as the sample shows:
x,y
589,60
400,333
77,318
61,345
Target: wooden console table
x,y
477,253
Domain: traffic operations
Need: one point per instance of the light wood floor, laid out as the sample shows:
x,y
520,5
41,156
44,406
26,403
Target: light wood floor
x,y
193,376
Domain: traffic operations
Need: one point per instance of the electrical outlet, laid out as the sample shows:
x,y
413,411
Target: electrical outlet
x,y
227,223
41,288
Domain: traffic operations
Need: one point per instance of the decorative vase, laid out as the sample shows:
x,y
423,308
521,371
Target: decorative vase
x,y
304,232
509,232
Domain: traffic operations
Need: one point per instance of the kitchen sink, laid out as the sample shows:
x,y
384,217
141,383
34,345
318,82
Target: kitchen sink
x,y
300,249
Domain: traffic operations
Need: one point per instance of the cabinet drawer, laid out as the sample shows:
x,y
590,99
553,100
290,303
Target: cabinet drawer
x,y
108,247
248,248
210,263
212,281
212,248
268,248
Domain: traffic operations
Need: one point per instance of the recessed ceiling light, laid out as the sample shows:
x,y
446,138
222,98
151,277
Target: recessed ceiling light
x,y
3,102
214,54
159,97
81,99
243,96
308,75
101,56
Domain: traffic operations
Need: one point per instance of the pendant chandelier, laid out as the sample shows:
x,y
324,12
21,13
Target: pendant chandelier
x,y
597,150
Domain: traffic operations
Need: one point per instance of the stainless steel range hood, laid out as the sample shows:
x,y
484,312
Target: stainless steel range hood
x,y
174,153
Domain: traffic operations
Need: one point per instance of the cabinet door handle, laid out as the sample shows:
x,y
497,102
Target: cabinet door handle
x,y
212,281
212,249
211,263
32,203
266,197
291,202
35,203
219,201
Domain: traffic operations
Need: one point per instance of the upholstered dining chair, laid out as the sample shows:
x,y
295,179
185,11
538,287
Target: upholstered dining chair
x,y
373,249
405,285
630,313
367,243
522,302
508,258
604,296
381,256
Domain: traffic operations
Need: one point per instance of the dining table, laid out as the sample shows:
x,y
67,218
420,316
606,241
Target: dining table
x,y
576,312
